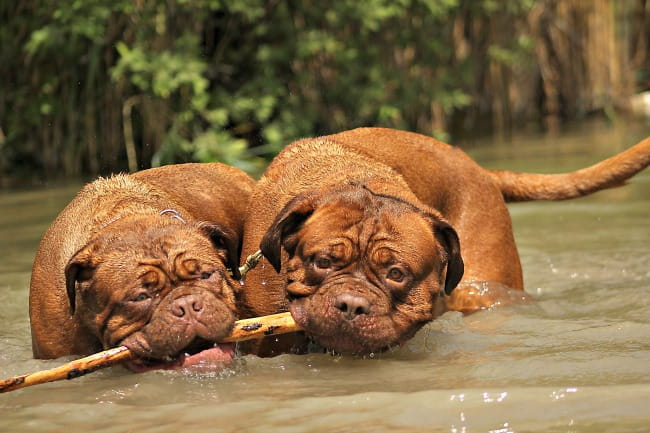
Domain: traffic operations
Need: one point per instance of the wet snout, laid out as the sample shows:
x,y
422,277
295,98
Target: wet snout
x,y
186,315
351,305
194,311
187,307
348,316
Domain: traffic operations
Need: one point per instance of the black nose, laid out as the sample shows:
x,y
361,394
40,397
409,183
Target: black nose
x,y
188,305
351,305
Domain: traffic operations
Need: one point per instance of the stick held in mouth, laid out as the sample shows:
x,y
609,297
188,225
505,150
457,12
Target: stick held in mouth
x,y
245,329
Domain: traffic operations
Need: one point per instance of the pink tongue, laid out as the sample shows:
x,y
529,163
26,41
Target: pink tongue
x,y
210,358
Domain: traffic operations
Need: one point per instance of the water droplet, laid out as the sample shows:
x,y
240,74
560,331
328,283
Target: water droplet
x,y
264,282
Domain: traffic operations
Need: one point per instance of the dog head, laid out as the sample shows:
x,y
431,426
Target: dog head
x,y
157,285
363,271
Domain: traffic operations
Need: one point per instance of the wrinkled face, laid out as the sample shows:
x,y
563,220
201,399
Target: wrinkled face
x,y
364,271
160,288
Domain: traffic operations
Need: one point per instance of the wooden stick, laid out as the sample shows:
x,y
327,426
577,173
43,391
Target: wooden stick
x,y
260,327
70,370
245,329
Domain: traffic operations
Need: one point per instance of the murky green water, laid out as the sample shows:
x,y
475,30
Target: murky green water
x,y
577,360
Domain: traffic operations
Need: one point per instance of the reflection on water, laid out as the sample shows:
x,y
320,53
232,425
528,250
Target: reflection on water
x,y
575,360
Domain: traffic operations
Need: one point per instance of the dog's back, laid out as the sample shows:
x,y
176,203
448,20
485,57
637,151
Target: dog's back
x,y
423,161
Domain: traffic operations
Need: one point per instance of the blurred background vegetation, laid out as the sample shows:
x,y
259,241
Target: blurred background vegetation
x,y
92,86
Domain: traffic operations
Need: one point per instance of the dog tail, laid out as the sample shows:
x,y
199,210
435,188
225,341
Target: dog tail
x,y
612,172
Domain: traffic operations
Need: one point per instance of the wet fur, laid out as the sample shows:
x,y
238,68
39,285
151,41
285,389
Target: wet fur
x,y
117,220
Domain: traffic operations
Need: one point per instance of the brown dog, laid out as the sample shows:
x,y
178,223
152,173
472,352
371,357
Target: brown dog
x,y
366,229
141,260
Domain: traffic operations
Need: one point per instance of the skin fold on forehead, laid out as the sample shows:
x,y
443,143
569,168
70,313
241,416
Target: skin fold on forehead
x,y
379,235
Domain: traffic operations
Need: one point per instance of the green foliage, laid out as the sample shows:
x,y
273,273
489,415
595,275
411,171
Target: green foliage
x,y
234,81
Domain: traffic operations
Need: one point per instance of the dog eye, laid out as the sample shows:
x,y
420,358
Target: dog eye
x,y
323,263
395,274
206,275
141,297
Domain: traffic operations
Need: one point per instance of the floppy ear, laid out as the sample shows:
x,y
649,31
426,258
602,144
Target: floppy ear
x,y
225,239
286,223
455,267
80,268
